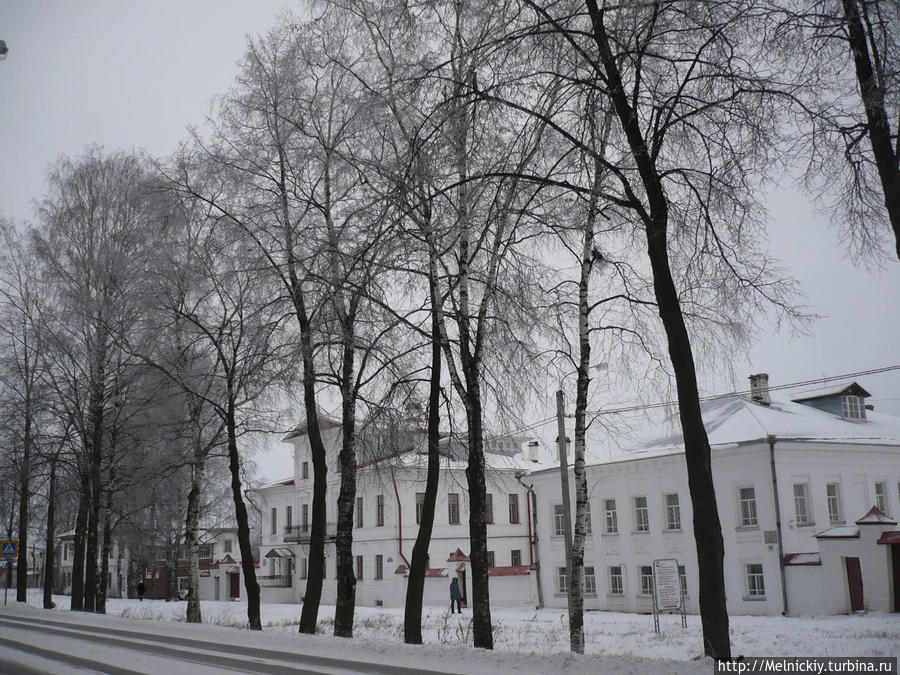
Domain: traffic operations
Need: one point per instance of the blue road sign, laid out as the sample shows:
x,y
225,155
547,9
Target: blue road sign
x,y
9,548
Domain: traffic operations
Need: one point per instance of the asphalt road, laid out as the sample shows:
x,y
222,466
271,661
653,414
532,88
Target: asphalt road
x,y
30,644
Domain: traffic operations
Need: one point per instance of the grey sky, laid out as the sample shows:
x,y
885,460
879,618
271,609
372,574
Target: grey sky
x,y
136,74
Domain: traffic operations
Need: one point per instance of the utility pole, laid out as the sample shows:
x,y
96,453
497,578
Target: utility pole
x,y
564,481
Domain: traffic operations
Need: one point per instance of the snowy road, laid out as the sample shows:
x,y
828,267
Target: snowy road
x,y
29,644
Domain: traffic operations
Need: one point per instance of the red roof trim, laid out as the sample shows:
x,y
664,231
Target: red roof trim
x,y
510,571
789,560
458,556
876,516
889,538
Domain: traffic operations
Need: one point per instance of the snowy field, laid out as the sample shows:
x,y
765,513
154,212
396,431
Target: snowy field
x,y
545,632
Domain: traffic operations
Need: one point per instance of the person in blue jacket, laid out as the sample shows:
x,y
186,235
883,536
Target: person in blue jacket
x,y
455,596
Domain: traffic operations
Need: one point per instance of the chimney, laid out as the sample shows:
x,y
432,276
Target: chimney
x,y
568,443
533,450
759,388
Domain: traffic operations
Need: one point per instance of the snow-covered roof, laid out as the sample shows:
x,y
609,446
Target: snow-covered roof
x,y
802,559
839,532
875,516
853,388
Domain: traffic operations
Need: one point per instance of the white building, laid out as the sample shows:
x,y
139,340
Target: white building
x,y
828,460
390,490
117,581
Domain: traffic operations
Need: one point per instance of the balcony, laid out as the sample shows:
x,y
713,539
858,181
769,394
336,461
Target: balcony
x,y
300,534
276,581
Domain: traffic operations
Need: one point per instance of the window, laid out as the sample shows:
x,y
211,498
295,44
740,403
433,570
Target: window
x,y
682,578
513,509
616,586
641,517
359,512
881,499
204,551
756,585
612,520
379,511
833,501
590,581
304,567
304,473
359,568
274,520
491,559
420,504
801,503
673,512
226,546
489,508
559,521
562,580
853,408
453,508
304,524
588,528
379,567
646,574
515,557
747,500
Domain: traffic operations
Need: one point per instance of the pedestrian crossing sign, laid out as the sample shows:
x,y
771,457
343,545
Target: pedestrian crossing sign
x,y
9,548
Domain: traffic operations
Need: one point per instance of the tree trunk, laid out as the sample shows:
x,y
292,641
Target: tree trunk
x,y
95,455
243,523
192,538
707,528
50,540
309,616
482,631
343,545
103,583
879,130
77,603
415,587
24,488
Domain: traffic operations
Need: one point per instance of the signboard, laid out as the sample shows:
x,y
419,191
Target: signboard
x,y
666,585
9,549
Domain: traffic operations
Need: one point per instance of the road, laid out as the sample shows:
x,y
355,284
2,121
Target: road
x,y
33,642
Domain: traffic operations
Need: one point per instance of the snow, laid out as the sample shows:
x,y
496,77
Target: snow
x,y
875,516
840,532
521,635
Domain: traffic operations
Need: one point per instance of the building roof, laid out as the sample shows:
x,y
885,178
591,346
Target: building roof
x,y
458,556
853,389
325,423
889,538
802,559
875,516
839,532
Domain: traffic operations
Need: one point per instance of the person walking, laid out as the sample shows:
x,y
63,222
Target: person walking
x,y
455,596
141,589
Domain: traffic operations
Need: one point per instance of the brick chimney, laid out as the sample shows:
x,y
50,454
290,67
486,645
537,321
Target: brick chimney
x,y
759,388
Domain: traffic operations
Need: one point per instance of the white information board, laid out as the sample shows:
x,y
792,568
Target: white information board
x,y
666,585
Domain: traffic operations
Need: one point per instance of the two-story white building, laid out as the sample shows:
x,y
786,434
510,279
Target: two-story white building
x,y
792,479
390,494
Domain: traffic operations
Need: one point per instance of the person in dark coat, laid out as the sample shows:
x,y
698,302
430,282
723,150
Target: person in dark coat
x,y
455,596
141,589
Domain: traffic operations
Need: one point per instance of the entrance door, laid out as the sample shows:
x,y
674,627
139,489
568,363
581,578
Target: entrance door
x,y
234,582
462,582
895,560
855,584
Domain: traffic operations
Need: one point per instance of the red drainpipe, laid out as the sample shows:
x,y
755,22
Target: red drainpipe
x,y
399,520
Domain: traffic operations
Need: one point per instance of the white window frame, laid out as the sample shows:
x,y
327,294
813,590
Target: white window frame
x,y
747,513
682,579
379,567
558,518
641,514
616,588
805,501
882,501
754,581
562,579
672,512
833,503
611,517
645,576
590,581
853,407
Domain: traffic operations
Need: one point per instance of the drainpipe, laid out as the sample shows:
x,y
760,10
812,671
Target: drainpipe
x,y
533,538
399,521
784,595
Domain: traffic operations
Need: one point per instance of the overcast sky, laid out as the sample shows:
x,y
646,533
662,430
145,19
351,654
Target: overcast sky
x,y
137,74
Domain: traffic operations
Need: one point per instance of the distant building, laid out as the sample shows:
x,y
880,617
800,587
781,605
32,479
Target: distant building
x,y
831,459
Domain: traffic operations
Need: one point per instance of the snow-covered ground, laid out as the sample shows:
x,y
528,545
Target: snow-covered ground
x,y
545,631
